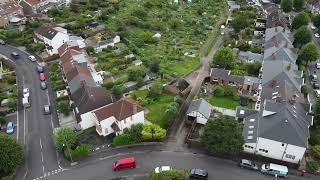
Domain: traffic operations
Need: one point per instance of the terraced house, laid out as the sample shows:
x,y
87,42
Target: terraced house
x,y
278,127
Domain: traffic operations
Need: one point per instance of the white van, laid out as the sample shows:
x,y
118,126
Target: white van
x,y
26,102
274,169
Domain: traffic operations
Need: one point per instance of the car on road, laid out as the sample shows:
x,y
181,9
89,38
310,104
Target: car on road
x,y
15,55
244,163
39,69
2,42
162,169
42,77
198,174
274,169
317,65
26,92
317,91
43,85
32,58
316,85
314,78
46,109
125,163
10,128
317,35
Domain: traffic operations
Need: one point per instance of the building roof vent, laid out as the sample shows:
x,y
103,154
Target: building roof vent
x,y
251,120
250,137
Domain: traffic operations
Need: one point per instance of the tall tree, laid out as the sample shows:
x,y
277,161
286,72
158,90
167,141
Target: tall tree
x,y
308,53
286,5
224,57
65,138
298,4
302,36
223,136
302,19
316,20
11,155
155,90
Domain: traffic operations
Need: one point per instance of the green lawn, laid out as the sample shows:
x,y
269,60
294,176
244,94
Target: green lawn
x,y
226,102
156,108
181,68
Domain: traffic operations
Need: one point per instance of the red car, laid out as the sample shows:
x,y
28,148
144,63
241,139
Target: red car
x,y
42,77
125,163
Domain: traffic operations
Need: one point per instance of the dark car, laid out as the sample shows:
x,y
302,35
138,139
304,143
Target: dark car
x,y
244,163
39,69
198,174
316,86
15,55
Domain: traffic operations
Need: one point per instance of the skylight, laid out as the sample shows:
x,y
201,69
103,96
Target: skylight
x,y
250,132
251,120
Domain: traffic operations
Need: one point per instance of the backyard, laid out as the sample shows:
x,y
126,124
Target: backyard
x,y
227,102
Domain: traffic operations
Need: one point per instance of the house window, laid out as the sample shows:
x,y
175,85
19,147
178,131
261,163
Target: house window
x,y
246,146
282,144
106,130
264,150
289,156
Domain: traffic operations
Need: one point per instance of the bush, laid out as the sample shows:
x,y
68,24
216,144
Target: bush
x,y
236,97
64,108
305,89
169,175
81,151
153,132
316,151
124,139
312,166
314,137
135,132
62,98
218,91
230,91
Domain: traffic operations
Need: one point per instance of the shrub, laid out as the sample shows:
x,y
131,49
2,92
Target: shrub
x,y
218,91
62,98
312,166
316,151
81,151
108,85
169,175
135,132
236,97
64,108
305,89
124,139
230,91
153,132
314,137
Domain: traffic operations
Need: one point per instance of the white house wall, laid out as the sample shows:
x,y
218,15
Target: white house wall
x,y
128,122
274,148
296,151
57,41
249,147
87,120
199,117
106,125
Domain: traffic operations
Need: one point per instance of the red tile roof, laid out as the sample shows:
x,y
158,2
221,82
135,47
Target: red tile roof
x,y
77,70
67,56
64,47
120,110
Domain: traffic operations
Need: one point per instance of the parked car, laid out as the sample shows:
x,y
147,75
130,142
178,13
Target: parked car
x,y
10,128
32,58
125,163
313,27
46,109
317,91
316,85
39,69
26,92
162,168
317,35
244,163
2,42
42,77
15,55
43,85
198,174
314,77
318,65
274,169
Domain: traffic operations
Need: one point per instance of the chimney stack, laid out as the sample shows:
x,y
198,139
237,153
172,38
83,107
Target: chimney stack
x,y
293,99
273,56
83,83
279,98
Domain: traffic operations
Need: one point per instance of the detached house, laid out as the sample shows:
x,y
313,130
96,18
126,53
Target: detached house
x,y
52,36
113,118
199,111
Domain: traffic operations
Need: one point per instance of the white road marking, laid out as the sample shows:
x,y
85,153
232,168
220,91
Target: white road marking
x,y
42,157
43,171
40,144
24,125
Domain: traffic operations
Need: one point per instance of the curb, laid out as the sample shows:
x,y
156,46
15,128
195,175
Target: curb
x,y
140,144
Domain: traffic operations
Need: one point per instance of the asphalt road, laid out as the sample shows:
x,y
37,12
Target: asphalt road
x,y
33,128
218,169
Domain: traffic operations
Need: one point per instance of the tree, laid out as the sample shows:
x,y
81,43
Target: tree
x,y
64,108
153,132
65,138
223,136
224,57
313,166
135,131
316,151
134,73
11,155
154,66
218,91
316,20
316,112
253,69
155,90
298,4
302,19
308,53
305,89
302,36
286,5
239,23
118,90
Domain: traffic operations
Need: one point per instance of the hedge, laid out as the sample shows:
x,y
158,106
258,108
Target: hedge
x,y
124,139
153,132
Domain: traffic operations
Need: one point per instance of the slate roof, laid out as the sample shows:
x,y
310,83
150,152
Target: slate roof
x,y
77,70
280,53
89,98
120,110
47,32
221,73
247,55
201,106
